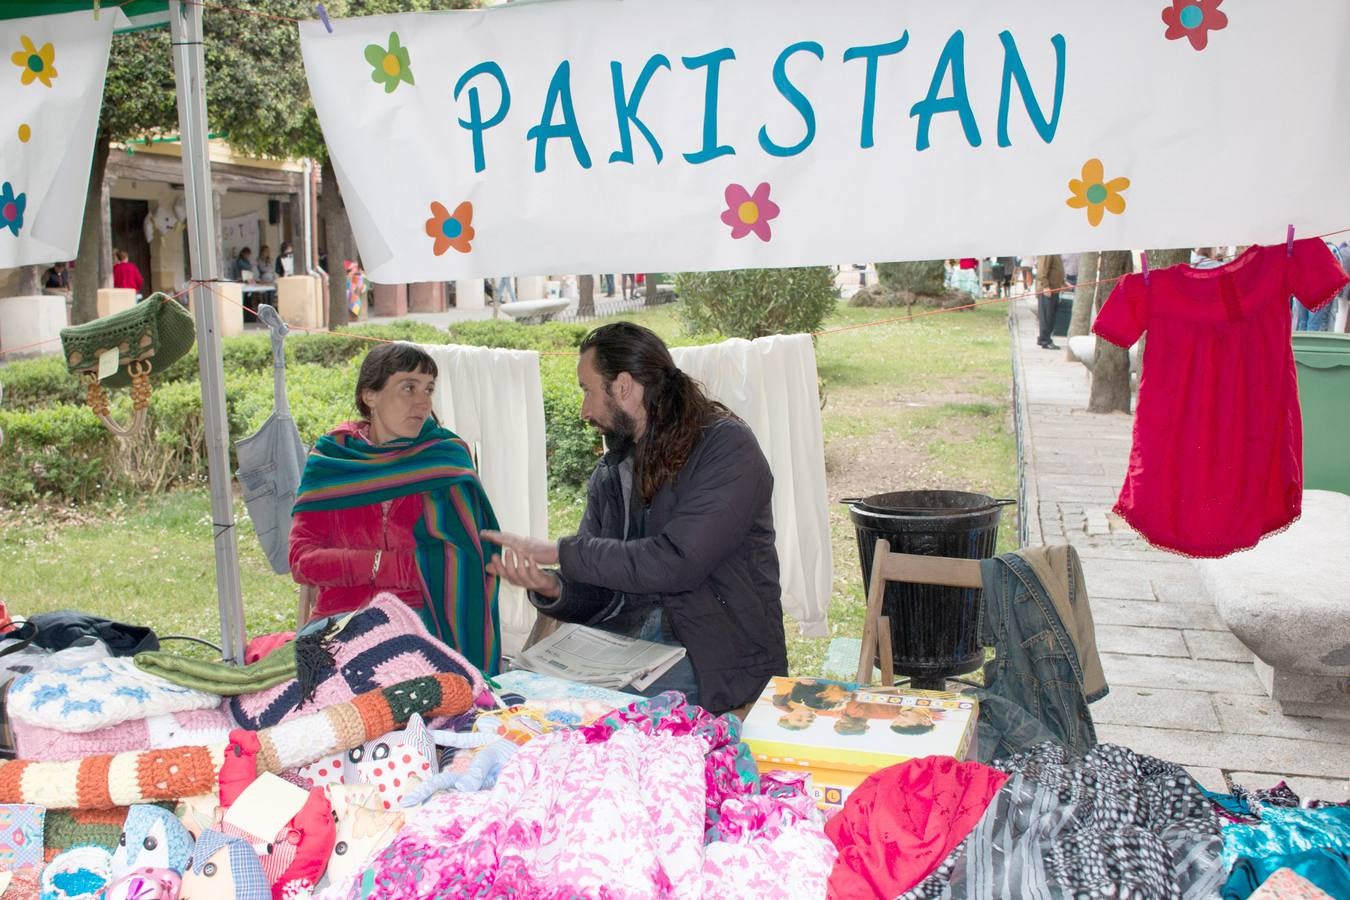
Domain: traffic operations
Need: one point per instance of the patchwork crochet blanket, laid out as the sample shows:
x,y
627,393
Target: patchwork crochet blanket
x,y
96,695
382,645
101,782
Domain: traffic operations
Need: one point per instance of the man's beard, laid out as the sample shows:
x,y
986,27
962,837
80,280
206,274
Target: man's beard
x,y
620,434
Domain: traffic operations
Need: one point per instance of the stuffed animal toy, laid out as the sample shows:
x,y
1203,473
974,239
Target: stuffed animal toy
x,y
78,874
393,763
152,838
300,851
363,828
224,868
164,218
146,883
200,813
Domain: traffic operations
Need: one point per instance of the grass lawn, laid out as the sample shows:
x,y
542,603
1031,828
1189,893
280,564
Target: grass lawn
x,y
921,404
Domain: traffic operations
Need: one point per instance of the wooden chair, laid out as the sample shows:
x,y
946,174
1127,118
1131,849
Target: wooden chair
x,y
888,566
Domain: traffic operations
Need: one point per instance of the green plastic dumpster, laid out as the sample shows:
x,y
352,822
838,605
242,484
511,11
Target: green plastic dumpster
x,y
1323,363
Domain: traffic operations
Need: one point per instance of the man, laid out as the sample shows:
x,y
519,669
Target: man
x,y
56,279
677,541
1049,282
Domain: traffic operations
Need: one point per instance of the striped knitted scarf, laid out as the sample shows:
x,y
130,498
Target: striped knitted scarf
x,y
345,471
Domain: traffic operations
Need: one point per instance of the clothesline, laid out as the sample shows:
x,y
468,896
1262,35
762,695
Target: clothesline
x,y
824,332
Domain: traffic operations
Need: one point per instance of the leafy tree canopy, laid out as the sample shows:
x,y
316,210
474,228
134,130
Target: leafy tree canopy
x,y
255,83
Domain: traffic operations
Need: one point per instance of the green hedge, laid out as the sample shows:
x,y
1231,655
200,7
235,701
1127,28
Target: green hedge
x,y
55,446
60,450
753,303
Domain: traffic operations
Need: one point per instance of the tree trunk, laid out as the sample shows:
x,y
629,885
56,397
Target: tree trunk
x,y
340,246
649,298
1161,259
586,293
1111,368
30,280
93,262
1084,299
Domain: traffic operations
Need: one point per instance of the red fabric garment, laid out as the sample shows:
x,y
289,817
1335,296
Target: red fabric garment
x,y
335,550
1217,461
969,262
126,275
902,822
264,644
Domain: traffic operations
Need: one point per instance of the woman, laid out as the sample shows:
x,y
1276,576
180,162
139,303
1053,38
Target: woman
x,y
391,502
285,261
266,269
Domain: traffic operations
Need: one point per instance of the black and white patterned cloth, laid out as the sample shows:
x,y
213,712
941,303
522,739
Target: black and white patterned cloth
x,y
1114,824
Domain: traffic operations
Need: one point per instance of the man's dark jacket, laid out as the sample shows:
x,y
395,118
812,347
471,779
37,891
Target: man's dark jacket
x,y
708,559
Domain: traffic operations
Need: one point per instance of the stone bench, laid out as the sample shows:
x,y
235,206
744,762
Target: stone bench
x,y
535,311
1288,600
31,325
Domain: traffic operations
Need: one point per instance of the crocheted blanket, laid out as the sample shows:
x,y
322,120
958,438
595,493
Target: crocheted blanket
x,y
96,695
180,729
101,782
382,645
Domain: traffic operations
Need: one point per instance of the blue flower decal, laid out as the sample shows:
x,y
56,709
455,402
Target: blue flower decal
x,y
11,209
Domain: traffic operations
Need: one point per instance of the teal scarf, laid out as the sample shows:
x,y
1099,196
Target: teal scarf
x,y
460,598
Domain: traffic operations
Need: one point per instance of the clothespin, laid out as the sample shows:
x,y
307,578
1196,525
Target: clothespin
x,y
1289,245
323,17
1144,259
96,10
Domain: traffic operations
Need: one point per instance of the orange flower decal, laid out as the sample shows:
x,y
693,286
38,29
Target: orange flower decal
x,y
1096,194
450,230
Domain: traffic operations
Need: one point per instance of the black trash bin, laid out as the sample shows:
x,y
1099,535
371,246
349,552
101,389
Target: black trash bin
x,y
934,629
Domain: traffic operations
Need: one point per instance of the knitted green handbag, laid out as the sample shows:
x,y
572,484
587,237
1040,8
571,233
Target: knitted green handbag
x,y
154,333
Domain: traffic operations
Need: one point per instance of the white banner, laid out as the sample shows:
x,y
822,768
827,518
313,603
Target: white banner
x,y
668,135
51,89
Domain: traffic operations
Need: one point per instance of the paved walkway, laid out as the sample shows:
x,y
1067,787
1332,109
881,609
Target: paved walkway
x,y
1182,687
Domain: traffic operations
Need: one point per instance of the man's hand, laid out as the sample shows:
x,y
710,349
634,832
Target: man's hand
x,y
539,552
520,560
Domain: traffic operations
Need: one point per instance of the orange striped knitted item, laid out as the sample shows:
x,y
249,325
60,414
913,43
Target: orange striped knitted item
x,y
101,782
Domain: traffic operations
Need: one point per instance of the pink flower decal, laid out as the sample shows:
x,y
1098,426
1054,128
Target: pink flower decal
x,y
1194,20
748,212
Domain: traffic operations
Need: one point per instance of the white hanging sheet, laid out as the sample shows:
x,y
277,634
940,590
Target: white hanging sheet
x,y
771,384
494,400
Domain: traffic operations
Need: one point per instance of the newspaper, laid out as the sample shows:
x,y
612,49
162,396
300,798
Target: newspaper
x,y
589,655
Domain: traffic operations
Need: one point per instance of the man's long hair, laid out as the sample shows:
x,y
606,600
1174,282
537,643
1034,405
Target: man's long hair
x,y
677,409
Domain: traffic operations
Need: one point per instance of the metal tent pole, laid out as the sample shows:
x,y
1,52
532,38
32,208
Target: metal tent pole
x,y
189,66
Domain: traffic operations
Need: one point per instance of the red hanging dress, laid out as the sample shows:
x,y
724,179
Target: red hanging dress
x,y
1217,462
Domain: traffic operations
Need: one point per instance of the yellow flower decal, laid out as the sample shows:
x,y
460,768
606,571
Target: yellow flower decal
x,y
1096,193
36,64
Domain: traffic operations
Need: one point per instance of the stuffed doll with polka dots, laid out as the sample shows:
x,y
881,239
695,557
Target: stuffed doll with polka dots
x,y
393,764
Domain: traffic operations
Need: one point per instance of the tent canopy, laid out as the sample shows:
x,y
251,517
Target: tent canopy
x,y
140,14
190,75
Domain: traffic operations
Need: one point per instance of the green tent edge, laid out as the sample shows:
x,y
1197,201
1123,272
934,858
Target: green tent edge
x,y
141,14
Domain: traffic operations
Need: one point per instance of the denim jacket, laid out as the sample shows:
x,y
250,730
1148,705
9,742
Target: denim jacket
x,y
1035,683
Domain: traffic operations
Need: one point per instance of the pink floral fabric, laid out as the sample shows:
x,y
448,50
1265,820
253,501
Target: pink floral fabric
x,y
729,770
620,820
659,800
